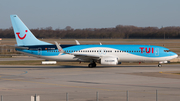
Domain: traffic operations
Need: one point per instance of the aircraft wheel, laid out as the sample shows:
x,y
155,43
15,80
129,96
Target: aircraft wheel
x,y
94,64
159,65
90,66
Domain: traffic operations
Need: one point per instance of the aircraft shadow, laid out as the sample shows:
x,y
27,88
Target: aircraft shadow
x,y
70,66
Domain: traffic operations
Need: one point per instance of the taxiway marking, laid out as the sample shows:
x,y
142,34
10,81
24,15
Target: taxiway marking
x,y
168,73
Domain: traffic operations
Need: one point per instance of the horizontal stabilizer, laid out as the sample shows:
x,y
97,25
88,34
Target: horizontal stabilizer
x,y
18,47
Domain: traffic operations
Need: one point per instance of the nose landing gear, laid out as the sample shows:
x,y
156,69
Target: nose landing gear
x,y
159,65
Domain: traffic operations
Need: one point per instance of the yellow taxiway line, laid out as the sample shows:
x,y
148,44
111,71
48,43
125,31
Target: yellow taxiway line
x,y
168,73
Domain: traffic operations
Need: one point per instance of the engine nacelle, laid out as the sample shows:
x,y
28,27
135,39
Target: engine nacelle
x,y
109,61
164,62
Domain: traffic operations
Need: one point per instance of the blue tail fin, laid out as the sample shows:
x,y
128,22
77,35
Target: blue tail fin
x,y
24,37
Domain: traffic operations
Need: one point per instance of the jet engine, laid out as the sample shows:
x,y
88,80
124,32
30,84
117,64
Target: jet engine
x,y
164,62
109,61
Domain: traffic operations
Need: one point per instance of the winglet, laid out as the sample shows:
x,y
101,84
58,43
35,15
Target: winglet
x,y
59,48
77,42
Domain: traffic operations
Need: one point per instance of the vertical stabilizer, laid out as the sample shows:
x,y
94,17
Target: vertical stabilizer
x,y
24,37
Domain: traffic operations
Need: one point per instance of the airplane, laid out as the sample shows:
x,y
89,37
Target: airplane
x,y
103,54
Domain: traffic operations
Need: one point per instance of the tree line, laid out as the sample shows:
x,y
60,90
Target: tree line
x,y
120,31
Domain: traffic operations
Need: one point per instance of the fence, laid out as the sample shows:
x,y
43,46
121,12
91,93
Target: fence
x,y
136,95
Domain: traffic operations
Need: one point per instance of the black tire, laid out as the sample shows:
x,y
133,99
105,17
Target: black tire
x,y
94,65
159,65
90,66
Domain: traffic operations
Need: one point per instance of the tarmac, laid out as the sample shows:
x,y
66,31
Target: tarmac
x,y
80,83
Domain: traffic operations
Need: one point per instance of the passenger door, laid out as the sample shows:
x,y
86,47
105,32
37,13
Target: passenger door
x,y
39,51
156,51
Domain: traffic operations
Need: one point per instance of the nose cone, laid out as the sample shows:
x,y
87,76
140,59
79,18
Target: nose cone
x,y
174,55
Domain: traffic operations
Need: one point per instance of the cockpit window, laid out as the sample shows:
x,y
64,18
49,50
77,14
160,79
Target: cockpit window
x,y
166,50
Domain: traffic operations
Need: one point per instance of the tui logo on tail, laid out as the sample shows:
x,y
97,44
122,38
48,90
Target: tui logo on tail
x,y
19,35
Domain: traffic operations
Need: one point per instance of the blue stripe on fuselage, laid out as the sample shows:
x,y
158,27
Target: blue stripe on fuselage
x,y
45,47
44,50
51,50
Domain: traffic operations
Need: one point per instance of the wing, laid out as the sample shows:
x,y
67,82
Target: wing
x,y
87,57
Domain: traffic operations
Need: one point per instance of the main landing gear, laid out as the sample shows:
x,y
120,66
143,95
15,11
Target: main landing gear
x,y
92,64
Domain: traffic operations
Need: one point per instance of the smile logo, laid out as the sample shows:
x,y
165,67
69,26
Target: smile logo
x,y
20,36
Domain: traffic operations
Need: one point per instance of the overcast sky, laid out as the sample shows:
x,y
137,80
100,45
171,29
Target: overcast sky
x,y
91,13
